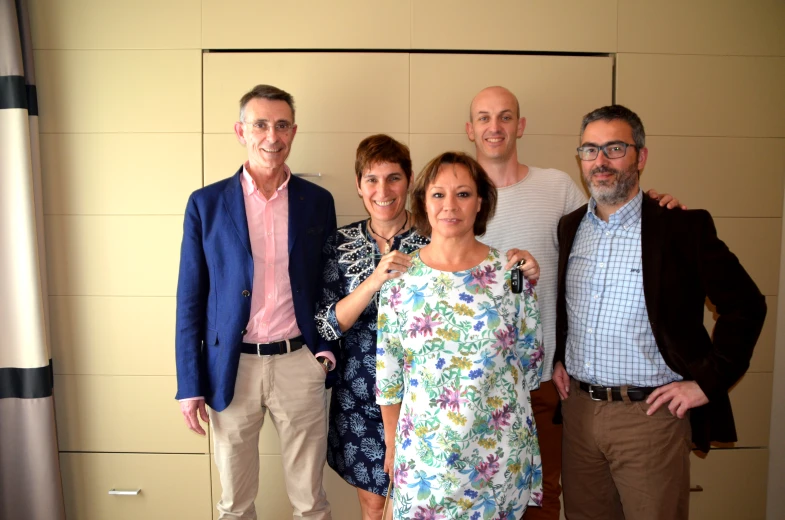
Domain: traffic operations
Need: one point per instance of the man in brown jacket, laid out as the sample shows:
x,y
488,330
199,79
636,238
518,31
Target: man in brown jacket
x,y
639,376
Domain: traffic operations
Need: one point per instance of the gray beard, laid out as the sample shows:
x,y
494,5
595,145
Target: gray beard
x,y
618,192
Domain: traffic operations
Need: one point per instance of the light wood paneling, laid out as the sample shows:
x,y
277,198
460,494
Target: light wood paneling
x,y
113,256
114,24
726,96
763,355
333,92
726,27
568,25
733,484
116,174
757,244
730,177
308,24
331,155
545,151
119,91
554,91
272,502
751,401
131,414
101,335
172,486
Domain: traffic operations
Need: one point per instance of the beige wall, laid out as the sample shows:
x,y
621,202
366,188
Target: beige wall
x,y
134,116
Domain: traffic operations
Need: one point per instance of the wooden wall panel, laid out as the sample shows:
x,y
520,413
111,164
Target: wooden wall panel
x,y
114,24
704,95
732,483
554,91
128,414
119,91
172,486
721,27
730,177
307,24
564,25
333,92
110,335
113,256
120,174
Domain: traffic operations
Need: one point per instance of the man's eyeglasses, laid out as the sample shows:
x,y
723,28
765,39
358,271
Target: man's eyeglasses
x,y
263,126
615,150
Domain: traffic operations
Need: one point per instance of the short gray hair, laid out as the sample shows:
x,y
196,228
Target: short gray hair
x,y
268,92
618,112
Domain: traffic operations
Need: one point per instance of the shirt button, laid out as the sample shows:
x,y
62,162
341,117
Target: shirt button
x,y
608,233
590,331
270,234
270,295
602,264
596,296
246,293
244,332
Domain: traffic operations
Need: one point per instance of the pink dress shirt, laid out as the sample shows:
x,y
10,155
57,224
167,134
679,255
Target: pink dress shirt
x,y
272,309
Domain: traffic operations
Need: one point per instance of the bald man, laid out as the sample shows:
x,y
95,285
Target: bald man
x,y
531,202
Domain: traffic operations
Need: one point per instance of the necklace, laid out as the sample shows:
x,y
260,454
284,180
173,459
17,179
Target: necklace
x,y
387,240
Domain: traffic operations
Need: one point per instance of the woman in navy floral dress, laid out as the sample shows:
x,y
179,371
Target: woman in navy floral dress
x,y
360,258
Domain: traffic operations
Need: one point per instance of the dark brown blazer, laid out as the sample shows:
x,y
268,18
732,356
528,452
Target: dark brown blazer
x,y
684,262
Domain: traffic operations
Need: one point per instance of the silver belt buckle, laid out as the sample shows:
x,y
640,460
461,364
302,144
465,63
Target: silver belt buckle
x,y
591,394
608,394
258,352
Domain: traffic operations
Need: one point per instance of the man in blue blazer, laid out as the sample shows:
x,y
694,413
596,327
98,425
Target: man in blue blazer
x,y
246,340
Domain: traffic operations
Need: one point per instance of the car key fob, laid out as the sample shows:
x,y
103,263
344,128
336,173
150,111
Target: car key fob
x,y
516,278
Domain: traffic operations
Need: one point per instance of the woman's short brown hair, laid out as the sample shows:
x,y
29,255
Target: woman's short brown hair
x,y
485,190
380,148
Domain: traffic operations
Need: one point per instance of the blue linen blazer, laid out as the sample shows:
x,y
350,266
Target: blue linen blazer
x,y
216,278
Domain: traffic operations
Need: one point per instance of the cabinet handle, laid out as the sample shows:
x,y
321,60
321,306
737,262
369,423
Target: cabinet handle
x,y
696,489
125,492
308,174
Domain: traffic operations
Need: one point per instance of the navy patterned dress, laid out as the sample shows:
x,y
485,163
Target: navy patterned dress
x,y
355,443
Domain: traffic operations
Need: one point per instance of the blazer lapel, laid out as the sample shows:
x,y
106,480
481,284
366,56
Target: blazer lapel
x,y
235,206
297,208
651,256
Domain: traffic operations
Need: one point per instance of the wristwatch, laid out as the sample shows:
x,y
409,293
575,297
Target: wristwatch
x,y
327,363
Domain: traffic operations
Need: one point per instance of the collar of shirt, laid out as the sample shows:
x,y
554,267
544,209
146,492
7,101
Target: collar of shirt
x,y
626,216
249,185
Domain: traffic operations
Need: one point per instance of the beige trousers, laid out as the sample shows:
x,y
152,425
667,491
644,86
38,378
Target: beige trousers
x,y
291,387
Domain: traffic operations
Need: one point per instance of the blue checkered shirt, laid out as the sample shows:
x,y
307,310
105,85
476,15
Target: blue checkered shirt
x,y
609,340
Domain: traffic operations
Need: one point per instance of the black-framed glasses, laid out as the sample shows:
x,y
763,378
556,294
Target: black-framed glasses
x,y
614,150
262,126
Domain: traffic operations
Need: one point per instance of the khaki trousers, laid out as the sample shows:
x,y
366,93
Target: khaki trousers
x,y
619,463
291,387
544,404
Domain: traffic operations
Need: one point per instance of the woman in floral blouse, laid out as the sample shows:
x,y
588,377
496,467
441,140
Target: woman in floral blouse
x,y
457,355
356,268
